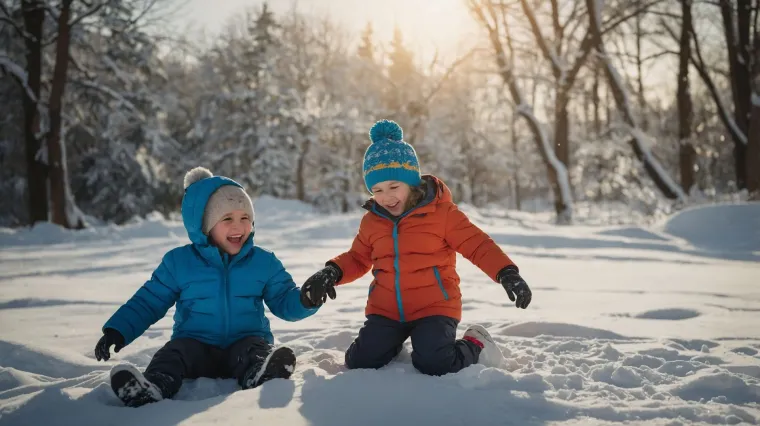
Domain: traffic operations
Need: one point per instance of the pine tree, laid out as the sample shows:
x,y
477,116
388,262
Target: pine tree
x,y
366,49
404,81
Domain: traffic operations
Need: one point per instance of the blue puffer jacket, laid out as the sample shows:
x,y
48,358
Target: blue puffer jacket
x,y
219,297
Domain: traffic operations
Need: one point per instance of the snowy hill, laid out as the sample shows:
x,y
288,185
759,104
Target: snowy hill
x,y
628,324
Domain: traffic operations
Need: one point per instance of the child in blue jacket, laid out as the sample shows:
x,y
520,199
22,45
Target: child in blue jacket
x,y
219,283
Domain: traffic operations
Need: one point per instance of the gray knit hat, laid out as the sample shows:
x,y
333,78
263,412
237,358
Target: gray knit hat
x,y
225,199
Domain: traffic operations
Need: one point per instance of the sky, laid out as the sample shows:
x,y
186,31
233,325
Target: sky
x,y
426,24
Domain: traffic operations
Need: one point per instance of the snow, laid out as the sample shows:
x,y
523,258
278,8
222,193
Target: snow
x,y
15,69
651,325
714,228
724,112
641,141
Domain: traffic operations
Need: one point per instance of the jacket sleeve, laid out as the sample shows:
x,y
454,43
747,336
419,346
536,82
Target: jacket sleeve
x,y
148,305
282,296
474,244
358,260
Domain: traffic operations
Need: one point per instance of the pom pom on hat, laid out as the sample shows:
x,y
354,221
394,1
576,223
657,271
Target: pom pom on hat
x,y
195,175
386,129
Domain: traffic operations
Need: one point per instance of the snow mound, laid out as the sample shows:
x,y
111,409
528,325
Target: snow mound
x,y
44,233
673,314
722,388
724,227
535,329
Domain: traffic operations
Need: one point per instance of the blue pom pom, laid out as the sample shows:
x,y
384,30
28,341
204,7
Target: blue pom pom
x,y
386,129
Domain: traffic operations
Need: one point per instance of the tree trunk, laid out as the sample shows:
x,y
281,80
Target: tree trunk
x,y
687,154
55,149
607,102
595,100
753,153
301,168
738,48
654,169
516,174
639,72
562,127
36,167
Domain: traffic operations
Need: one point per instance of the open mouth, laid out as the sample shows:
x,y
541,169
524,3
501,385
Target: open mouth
x,y
392,206
235,239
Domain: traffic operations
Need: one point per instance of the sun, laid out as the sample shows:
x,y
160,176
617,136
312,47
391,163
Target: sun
x,y
427,26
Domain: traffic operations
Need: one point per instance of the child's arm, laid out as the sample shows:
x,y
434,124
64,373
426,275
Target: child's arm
x,y
357,261
148,305
282,296
474,244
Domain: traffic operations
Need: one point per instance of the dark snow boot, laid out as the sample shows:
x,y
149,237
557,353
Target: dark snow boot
x,y
132,388
279,364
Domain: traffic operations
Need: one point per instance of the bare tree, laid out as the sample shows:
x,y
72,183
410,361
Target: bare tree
x,y
742,37
654,169
49,194
567,60
486,14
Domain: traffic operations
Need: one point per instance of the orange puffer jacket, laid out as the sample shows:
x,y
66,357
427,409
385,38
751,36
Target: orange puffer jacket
x,y
413,257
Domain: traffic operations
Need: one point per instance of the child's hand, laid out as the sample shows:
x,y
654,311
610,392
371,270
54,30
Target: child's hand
x,y
320,285
517,288
110,337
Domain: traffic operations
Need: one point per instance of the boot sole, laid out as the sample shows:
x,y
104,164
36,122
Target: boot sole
x,y
280,364
130,391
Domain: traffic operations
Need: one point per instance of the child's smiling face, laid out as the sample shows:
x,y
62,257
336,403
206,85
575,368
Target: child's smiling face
x,y
231,231
392,195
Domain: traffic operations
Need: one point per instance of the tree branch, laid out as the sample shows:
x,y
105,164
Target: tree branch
x,y
7,18
699,65
18,74
549,54
612,24
446,76
89,12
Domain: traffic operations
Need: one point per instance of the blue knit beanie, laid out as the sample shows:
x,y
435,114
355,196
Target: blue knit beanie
x,y
389,157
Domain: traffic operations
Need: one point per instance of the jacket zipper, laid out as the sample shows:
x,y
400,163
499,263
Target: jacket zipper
x,y
440,283
225,265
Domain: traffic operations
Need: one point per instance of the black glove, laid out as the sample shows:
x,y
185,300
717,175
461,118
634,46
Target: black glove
x,y
517,288
320,285
110,337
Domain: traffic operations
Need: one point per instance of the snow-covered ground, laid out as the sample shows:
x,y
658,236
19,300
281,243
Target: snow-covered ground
x,y
657,325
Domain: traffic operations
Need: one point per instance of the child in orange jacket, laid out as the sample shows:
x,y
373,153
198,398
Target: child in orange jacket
x,y
409,238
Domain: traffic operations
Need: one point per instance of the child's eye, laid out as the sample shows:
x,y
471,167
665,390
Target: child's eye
x,y
246,218
227,219
394,187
